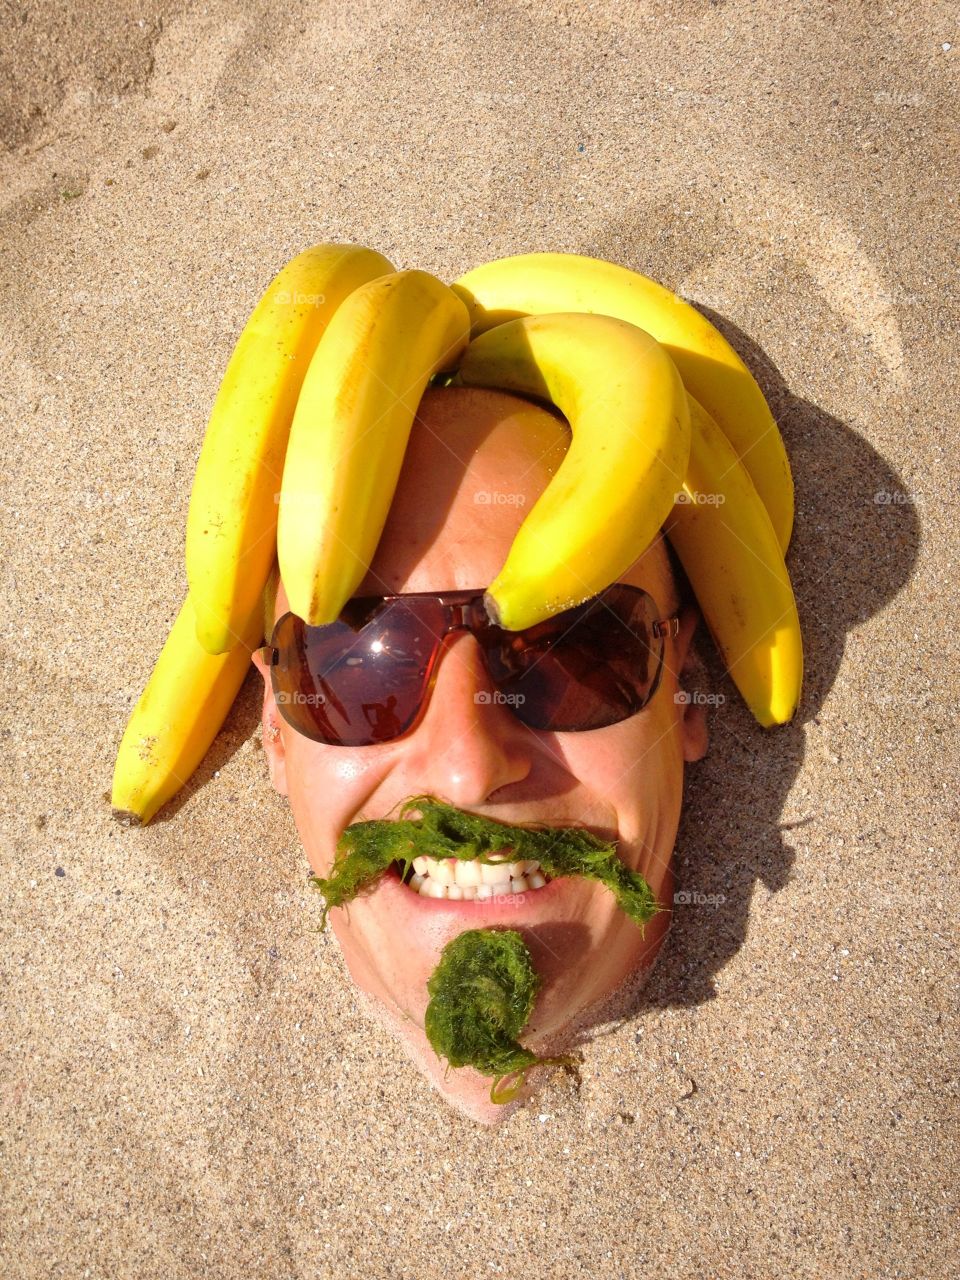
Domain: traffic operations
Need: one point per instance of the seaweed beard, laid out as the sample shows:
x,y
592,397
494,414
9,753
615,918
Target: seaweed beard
x,y
484,986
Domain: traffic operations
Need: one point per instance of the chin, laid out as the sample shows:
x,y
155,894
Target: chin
x,y
567,1016
462,1088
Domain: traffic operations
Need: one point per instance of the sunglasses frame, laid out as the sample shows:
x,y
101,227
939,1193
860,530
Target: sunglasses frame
x,y
464,610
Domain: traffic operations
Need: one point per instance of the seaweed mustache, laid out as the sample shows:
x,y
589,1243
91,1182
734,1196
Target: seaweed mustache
x,y
366,849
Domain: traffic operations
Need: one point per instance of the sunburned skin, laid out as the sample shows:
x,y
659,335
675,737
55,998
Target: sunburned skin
x,y
484,987
622,783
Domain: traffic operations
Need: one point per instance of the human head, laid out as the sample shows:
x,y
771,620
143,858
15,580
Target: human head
x,y
624,782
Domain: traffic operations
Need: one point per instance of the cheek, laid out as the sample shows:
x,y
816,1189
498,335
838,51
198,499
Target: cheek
x,y
326,787
636,767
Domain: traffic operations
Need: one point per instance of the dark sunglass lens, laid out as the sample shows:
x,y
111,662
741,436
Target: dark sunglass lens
x,y
355,682
583,669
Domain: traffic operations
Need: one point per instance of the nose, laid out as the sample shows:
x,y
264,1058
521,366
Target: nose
x,y
467,744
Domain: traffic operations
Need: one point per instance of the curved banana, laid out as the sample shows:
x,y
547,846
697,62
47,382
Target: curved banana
x,y
350,430
232,518
728,547
532,283
628,413
270,588
178,715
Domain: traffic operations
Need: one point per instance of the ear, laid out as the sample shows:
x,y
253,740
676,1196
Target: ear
x,y
694,725
272,731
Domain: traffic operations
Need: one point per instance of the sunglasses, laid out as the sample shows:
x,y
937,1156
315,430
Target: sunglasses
x,y
366,678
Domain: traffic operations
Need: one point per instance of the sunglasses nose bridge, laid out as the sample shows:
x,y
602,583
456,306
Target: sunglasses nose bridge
x,y
458,616
454,618
462,615
473,685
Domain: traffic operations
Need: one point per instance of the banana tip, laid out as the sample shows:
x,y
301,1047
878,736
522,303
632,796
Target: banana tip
x,y
127,818
768,719
493,612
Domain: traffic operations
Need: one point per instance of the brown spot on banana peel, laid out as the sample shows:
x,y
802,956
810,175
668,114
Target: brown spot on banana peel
x,y
740,609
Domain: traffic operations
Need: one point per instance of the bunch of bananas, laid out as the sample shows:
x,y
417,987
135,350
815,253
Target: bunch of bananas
x,y
307,435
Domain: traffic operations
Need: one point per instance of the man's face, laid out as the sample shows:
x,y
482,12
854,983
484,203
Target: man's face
x,y
475,464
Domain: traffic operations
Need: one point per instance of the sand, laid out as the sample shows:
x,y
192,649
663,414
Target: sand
x,y
190,1086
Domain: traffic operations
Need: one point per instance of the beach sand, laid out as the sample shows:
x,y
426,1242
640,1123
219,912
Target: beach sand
x,y
189,1083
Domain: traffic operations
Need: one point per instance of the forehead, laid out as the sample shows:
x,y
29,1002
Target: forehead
x,y
475,464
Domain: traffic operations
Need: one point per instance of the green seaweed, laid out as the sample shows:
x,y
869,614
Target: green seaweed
x,y
366,849
481,994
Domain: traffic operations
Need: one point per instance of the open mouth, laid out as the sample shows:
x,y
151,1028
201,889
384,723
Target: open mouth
x,y
528,866
469,880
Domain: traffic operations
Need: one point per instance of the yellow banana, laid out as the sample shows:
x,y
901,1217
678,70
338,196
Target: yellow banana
x,y
178,715
628,413
350,431
270,589
728,547
533,283
232,519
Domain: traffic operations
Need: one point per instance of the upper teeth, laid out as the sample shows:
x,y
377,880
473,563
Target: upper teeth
x,y
460,878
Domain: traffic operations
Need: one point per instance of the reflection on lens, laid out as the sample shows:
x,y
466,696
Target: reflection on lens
x,y
360,679
586,668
